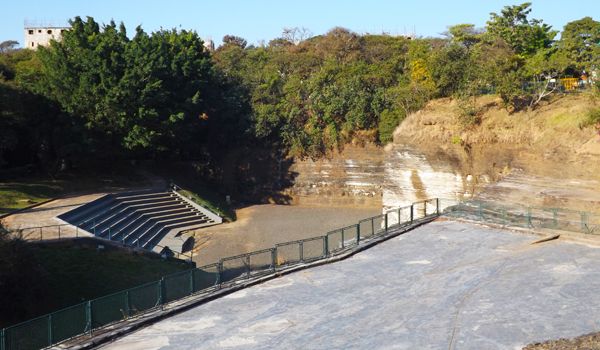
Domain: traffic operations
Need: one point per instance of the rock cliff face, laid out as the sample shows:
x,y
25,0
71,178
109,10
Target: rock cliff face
x,y
373,176
547,157
539,158
354,177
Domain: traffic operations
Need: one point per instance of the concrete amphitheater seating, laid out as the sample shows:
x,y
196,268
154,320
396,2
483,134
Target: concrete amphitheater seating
x,y
140,218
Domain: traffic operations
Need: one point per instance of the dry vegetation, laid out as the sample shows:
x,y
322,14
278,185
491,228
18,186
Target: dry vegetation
x,y
557,132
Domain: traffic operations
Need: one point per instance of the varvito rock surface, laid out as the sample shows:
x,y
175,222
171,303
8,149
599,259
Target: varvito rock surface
x,y
445,285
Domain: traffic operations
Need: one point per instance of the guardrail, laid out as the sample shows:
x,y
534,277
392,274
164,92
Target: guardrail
x,y
189,199
68,231
526,217
92,315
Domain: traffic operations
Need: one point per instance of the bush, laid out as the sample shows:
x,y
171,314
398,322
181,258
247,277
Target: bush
x,y
468,112
388,121
593,118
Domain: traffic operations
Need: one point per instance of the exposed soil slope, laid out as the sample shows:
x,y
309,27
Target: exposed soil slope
x,y
542,156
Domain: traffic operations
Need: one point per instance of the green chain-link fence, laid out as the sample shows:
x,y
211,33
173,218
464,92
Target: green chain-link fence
x,y
89,316
526,217
67,231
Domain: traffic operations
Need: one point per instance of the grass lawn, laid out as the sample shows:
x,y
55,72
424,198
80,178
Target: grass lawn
x,y
74,273
31,190
17,195
211,201
193,186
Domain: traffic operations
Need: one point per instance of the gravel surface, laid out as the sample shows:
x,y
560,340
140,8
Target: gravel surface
x,y
584,342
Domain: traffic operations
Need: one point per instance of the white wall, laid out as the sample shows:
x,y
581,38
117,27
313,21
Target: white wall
x,y
34,37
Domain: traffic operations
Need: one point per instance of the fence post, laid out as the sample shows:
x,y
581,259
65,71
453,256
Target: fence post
x,y
58,232
94,223
89,317
344,229
480,211
325,246
399,216
425,208
555,217
372,227
219,271
357,233
273,258
437,206
248,266
41,235
584,221
127,304
76,231
386,222
109,235
192,281
412,213
49,329
529,217
301,247
161,294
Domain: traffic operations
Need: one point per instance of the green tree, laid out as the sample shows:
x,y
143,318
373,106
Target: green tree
x,y
464,34
388,121
524,35
150,95
580,43
8,45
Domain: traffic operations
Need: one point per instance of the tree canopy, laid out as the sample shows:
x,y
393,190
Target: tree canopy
x,y
101,93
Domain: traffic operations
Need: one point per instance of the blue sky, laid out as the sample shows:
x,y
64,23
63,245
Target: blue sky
x,y
257,20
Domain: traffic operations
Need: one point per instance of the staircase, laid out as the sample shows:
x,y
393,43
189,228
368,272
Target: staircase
x,y
141,218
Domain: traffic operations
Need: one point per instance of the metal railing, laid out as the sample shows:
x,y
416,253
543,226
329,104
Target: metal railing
x,y
525,217
67,231
87,317
194,202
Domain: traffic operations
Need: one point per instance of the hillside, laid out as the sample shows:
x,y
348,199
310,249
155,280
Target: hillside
x,y
549,153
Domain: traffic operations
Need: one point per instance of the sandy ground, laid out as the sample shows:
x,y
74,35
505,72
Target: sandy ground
x,y
445,285
257,227
262,226
45,215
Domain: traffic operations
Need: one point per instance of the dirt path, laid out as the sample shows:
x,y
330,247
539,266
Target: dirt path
x,y
262,226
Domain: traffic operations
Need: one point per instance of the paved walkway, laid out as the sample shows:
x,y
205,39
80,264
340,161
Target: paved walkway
x,y
446,285
45,215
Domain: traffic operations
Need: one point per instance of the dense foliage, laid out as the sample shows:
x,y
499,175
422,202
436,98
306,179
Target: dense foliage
x,y
101,94
98,94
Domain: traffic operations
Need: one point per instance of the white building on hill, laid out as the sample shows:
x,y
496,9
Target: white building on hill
x,y
41,35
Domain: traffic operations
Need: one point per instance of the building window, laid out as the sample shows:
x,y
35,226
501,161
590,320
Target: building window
x,y
49,31
32,44
39,30
30,31
62,31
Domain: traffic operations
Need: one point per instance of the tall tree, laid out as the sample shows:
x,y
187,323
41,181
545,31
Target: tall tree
x,y
524,35
8,45
580,42
149,95
464,34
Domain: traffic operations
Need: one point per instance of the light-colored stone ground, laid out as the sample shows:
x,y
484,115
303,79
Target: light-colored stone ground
x,y
445,285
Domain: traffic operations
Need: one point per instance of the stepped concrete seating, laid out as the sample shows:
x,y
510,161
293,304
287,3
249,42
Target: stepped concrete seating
x,y
140,218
